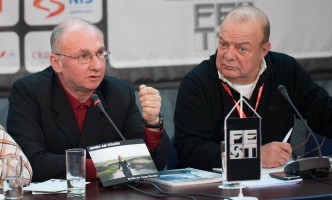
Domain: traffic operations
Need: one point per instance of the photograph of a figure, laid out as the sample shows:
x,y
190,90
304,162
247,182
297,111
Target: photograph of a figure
x,y
123,162
124,166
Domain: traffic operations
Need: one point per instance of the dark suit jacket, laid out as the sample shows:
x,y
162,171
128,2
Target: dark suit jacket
x,y
42,122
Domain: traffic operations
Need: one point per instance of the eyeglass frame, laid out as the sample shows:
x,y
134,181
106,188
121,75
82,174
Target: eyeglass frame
x,y
105,52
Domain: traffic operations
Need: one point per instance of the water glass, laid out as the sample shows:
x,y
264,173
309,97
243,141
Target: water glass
x,y
75,168
226,184
12,167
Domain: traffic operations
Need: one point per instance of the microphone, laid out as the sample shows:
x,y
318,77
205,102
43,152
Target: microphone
x,y
306,167
96,101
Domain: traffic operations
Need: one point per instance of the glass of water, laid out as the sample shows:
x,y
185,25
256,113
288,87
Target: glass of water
x,y
226,184
12,176
75,164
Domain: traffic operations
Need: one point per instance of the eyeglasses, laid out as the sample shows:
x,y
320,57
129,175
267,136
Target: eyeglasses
x,y
84,59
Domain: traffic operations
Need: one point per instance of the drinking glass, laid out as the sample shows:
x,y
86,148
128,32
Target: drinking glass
x,y
12,167
75,164
226,184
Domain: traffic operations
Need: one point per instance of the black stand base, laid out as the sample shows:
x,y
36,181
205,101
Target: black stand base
x,y
121,185
308,167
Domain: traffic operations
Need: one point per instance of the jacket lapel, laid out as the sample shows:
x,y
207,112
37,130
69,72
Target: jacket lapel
x,y
93,126
64,116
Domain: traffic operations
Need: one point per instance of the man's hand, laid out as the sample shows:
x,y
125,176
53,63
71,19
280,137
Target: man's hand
x,y
275,154
150,101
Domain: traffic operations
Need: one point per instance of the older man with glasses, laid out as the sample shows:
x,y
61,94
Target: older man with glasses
x,y
51,111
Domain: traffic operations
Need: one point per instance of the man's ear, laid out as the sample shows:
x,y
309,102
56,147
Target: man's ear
x,y
266,49
55,63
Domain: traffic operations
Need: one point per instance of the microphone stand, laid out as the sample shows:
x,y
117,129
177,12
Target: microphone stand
x,y
95,99
306,167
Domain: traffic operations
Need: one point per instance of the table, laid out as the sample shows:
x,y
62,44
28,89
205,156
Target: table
x,y
308,187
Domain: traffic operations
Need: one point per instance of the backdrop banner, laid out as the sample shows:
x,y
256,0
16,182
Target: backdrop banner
x,y
159,40
184,32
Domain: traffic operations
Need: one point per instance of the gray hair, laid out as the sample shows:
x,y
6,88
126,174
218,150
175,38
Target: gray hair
x,y
251,13
63,27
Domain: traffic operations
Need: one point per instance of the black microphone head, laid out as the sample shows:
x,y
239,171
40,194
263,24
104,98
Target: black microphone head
x,y
281,88
94,97
283,91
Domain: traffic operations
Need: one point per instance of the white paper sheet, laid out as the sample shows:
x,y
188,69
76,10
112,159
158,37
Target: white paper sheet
x,y
48,187
267,181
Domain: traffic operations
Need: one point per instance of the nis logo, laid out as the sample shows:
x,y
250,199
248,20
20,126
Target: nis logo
x,y
243,144
2,53
56,7
7,55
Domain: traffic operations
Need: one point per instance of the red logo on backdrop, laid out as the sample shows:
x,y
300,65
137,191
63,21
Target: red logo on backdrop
x,y
2,54
0,6
61,7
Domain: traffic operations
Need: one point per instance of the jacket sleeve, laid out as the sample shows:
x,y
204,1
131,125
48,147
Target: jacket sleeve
x,y
160,154
195,135
24,125
312,101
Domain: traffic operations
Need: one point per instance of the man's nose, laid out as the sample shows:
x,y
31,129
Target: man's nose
x,y
230,53
96,63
